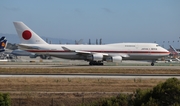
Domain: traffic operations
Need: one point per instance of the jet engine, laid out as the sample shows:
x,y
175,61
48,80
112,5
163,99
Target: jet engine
x,y
43,56
95,57
32,55
116,59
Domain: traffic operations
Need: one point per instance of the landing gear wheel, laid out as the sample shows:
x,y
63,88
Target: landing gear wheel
x,y
152,64
95,63
90,63
101,64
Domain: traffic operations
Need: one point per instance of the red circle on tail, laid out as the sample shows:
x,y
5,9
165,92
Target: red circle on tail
x,y
26,34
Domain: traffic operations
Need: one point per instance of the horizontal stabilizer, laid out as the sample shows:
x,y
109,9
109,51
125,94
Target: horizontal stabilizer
x,y
27,47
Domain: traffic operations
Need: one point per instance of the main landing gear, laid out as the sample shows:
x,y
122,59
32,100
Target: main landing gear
x,y
95,63
152,64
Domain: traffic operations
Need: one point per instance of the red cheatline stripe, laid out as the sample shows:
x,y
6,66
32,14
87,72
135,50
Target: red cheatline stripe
x,y
101,51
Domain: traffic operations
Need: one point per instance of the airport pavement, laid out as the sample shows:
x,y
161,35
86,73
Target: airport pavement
x,y
114,76
61,63
81,64
25,61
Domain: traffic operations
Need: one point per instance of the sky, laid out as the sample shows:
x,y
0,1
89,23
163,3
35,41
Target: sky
x,y
112,20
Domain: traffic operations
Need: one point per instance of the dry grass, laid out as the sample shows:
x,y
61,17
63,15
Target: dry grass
x,y
78,84
75,84
72,89
68,91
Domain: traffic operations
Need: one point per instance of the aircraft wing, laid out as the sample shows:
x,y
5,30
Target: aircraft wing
x,y
124,55
66,49
86,52
82,52
79,51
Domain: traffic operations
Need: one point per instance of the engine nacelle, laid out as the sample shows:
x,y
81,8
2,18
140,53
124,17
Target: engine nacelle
x,y
32,55
43,56
116,59
95,57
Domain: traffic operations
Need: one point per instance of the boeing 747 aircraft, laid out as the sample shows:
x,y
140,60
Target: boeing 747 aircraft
x,y
94,54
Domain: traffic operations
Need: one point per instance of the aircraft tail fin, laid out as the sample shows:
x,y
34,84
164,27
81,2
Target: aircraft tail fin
x,y
3,44
26,35
2,38
173,51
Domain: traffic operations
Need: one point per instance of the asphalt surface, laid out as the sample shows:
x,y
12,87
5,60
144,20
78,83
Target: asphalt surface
x,y
84,66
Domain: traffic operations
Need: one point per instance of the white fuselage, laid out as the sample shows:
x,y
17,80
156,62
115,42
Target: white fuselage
x,y
129,51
